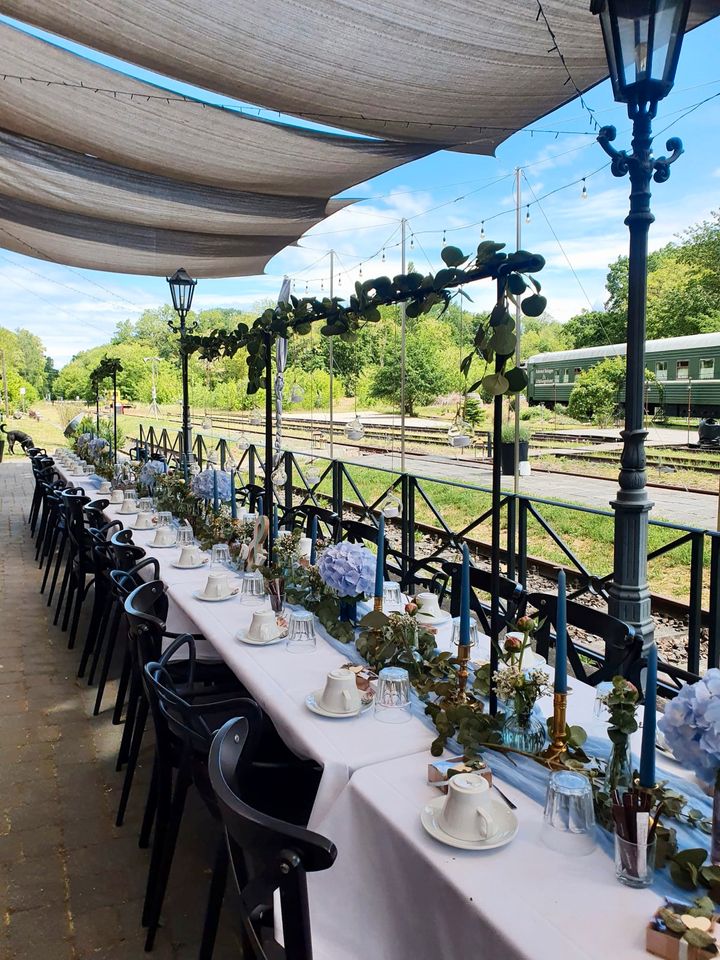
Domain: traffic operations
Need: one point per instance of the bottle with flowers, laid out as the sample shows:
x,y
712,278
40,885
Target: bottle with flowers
x,y
520,684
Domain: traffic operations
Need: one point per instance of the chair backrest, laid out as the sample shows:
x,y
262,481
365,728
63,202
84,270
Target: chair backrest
x,y
427,574
302,517
266,854
146,608
73,504
513,598
622,646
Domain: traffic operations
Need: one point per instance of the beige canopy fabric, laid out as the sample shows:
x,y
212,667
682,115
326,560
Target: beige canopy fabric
x,y
128,248
462,71
76,183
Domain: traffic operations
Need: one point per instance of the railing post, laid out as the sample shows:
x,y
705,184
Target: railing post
x,y
407,524
251,463
288,481
510,563
223,453
695,606
522,540
337,483
714,625
489,445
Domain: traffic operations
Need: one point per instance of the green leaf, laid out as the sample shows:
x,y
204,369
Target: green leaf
x,y
685,875
517,381
499,315
495,384
503,341
533,305
577,736
453,256
536,283
444,278
672,921
516,284
408,282
413,310
700,939
487,250
694,855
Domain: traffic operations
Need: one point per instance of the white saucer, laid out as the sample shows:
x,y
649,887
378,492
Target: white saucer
x,y
312,702
162,546
127,513
193,566
143,529
244,638
432,621
507,826
200,595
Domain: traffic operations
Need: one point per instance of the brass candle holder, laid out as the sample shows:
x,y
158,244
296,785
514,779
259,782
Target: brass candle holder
x,y
558,744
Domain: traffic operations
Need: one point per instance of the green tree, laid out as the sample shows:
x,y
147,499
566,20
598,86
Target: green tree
x,y
426,368
596,391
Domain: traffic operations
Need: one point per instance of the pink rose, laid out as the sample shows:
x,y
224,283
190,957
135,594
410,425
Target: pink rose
x,y
410,607
513,643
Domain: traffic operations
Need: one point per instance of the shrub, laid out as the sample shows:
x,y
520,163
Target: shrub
x,y
508,433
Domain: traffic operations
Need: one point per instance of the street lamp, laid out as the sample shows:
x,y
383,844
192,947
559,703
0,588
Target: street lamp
x,y
182,288
642,44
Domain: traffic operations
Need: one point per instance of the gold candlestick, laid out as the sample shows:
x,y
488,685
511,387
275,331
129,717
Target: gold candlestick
x,y
378,604
463,656
558,744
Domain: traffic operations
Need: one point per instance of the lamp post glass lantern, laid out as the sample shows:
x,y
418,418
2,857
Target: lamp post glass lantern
x,y
642,42
182,288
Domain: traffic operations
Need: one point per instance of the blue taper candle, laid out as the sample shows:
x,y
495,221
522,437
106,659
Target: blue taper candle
x,y
275,521
233,501
380,562
313,540
647,753
260,506
185,470
465,597
216,501
561,632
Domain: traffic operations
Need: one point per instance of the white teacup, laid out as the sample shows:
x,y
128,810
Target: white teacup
x,y
189,556
466,811
164,537
217,586
341,694
428,605
263,625
128,506
144,521
117,496
304,547
104,487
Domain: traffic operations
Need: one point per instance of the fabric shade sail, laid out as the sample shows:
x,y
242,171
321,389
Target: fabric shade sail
x,y
467,72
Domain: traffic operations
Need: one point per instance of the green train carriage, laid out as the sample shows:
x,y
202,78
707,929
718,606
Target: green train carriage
x,y
687,368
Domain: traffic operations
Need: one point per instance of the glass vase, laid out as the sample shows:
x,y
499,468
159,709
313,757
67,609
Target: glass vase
x,y
618,772
522,731
348,610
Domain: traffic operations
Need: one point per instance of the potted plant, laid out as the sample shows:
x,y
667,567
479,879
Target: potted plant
x,y
507,452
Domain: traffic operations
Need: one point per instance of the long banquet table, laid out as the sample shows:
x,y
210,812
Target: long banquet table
x,y
394,893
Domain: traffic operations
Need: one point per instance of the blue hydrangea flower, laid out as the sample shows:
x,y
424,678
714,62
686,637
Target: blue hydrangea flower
x,y
691,726
349,568
97,446
203,484
150,471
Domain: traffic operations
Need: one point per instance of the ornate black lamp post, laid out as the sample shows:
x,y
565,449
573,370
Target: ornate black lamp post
x,y
642,43
182,288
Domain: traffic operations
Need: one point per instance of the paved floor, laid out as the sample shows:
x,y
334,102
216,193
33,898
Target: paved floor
x,y
71,883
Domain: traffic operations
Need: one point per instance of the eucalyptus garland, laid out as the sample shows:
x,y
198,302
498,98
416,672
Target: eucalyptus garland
x,y
108,367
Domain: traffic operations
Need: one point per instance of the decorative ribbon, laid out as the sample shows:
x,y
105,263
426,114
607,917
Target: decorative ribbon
x,y
256,554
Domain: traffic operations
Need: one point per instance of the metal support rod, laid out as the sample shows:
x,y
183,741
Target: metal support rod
x,y
495,536
518,316
268,498
629,594
97,408
114,376
184,358
5,387
403,336
331,361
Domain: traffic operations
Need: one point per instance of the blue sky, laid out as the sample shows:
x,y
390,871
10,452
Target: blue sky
x,y
73,309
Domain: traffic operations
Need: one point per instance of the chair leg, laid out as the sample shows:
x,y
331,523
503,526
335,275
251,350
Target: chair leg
x,y
72,587
135,745
63,588
42,528
50,554
105,641
134,695
215,900
58,567
93,635
122,689
79,597
182,783
150,809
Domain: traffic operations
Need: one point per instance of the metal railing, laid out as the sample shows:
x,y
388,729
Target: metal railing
x,y
339,489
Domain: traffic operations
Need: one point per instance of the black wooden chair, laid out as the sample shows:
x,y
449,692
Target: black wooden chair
x,y
622,654
513,598
102,594
266,854
79,564
428,574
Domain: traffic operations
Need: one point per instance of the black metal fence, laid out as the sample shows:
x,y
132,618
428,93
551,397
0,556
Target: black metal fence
x,y
551,525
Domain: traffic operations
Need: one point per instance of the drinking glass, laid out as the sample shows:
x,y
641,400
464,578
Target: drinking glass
x,y
392,597
456,631
252,587
600,709
634,863
164,517
130,493
145,505
276,593
301,632
569,825
392,696
185,536
220,555
248,517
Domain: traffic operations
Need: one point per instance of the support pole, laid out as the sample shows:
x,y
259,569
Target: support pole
x,y
331,362
5,388
268,499
403,335
518,317
114,376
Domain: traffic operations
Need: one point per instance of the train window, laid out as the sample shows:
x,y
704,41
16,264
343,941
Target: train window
x,y
683,369
566,375
707,369
576,372
661,370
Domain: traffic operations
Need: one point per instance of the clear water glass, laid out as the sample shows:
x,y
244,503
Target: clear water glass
x,y
569,825
456,631
634,865
130,493
392,696
145,505
252,587
392,597
301,636
220,555
185,535
164,517
600,709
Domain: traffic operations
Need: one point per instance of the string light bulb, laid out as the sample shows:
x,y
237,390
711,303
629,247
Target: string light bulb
x,y
444,240
306,288
527,214
584,194
361,271
383,255
482,229
412,241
